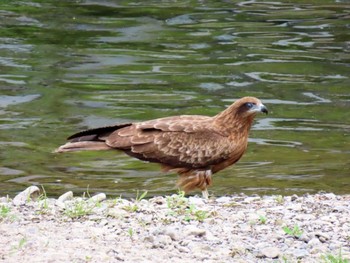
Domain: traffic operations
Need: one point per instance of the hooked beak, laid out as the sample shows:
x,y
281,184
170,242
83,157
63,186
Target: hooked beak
x,y
263,109
260,108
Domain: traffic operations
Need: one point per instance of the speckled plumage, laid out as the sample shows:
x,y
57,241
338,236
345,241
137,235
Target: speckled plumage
x,y
194,146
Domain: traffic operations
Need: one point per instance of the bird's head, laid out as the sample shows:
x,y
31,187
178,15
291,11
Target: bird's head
x,y
240,114
249,106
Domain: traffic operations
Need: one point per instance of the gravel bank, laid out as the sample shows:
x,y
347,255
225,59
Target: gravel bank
x,y
309,228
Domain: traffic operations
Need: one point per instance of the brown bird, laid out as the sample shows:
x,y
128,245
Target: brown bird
x,y
194,146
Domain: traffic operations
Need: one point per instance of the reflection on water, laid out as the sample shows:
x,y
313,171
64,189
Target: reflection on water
x,y
67,66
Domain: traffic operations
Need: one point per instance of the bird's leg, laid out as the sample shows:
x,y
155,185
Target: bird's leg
x,y
205,194
196,179
207,178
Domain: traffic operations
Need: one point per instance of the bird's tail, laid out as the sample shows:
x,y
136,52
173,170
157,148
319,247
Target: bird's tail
x,y
90,140
83,146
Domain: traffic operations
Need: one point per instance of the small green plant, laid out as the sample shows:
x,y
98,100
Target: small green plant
x,y
329,258
116,200
131,233
279,199
82,206
76,210
142,196
262,219
134,207
131,208
20,245
43,201
294,232
87,193
200,215
22,242
284,259
79,208
177,203
179,206
4,212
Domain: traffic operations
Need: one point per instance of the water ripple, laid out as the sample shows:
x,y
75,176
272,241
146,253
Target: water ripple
x,y
5,100
291,78
261,141
282,124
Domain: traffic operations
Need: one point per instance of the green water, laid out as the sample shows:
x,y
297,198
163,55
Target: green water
x,y
71,65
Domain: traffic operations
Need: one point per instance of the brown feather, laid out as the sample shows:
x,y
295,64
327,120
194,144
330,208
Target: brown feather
x,y
194,146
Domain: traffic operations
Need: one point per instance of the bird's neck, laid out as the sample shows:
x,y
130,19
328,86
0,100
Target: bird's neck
x,y
234,124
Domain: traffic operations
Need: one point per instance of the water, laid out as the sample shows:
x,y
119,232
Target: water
x,y
71,65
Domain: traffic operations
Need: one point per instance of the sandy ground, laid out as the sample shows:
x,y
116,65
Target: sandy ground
x,y
309,228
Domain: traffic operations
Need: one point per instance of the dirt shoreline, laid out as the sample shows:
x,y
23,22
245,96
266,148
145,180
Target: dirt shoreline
x,y
238,228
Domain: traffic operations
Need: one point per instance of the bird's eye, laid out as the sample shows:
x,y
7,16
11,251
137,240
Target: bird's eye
x,y
249,105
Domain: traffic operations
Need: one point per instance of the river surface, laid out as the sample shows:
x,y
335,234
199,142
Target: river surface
x,y
72,65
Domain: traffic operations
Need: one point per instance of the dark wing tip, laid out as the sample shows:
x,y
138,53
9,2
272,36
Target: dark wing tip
x,y
97,131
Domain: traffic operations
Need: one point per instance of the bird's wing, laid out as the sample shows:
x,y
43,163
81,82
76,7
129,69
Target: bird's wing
x,y
182,141
96,133
185,123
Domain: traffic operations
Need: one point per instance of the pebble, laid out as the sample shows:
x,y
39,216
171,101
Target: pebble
x,y
194,231
330,196
103,222
98,198
270,252
172,233
65,197
314,242
4,200
60,202
184,249
150,231
159,200
28,194
196,201
323,237
237,249
250,199
223,199
300,253
340,208
118,213
294,197
161,241
210,237
305,237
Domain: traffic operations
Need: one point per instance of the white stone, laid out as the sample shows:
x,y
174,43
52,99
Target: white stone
x,y
172,233
330,196
194,231
270,252
65,197
223,199
196,200
300,253
99,197
322,236
210,237
314,242
27,195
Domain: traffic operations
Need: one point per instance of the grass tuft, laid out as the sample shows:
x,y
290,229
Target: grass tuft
x,y
294,232
330,258
180,206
